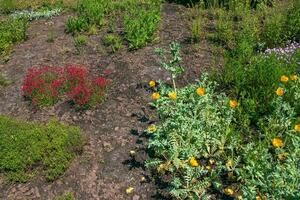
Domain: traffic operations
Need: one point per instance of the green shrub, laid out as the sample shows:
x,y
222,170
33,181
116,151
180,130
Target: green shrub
x,y
114,42
199,151
27,148
80,41
273,31
76,25
141,24
292,24
11,31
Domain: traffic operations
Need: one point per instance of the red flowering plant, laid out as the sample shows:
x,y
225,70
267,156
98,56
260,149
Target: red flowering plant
x,y
43,86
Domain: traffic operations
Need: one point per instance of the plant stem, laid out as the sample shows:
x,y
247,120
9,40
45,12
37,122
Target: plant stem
x,y
174,84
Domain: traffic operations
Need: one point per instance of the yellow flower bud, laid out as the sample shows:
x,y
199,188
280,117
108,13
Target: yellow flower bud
x,y
279,91
277,142
297,128
129,190
152,84
229,191
200,91
193,162
233,103
155,96
284,79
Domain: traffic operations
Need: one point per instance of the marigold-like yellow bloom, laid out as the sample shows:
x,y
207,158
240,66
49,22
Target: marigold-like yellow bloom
x,y
155,96
297,128
129,190
233,103
200,91
229,191
284,79
193,162
277,142
282,156
294,77
152,128
172,95
279,91
152,84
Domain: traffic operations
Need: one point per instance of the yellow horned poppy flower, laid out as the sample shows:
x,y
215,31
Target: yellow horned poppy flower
x,y
152,128
284,79
229,191
233,103
279,91
152,84
155,96
294,77
282,156
193,162
172,95
200,91
129,190
297,128
277,142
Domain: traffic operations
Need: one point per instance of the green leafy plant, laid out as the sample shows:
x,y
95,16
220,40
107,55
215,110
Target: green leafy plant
x,y
141,24
173,64
28,148
11,31
66,196
80,41
114,42
76,25
198,147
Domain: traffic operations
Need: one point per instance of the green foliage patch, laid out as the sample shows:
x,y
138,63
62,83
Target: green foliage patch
x,y
11,31
31,148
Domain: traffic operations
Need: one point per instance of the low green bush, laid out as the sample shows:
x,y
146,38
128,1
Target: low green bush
x,y
11,31
141,24
29,148
114,42
199,150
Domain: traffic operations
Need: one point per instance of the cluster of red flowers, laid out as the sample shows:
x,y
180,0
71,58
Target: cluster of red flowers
x,y
44,86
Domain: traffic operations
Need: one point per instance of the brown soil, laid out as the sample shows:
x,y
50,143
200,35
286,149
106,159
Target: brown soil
x,y
105,168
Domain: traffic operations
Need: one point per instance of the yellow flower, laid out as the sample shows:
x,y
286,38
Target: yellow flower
x,y
155,96
172,95
284,79
229,164
297,128
294,77
152,128
143,179
282,156
233,103
229,191
277,142
279,91
200,91
193,162
129,190
152,84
